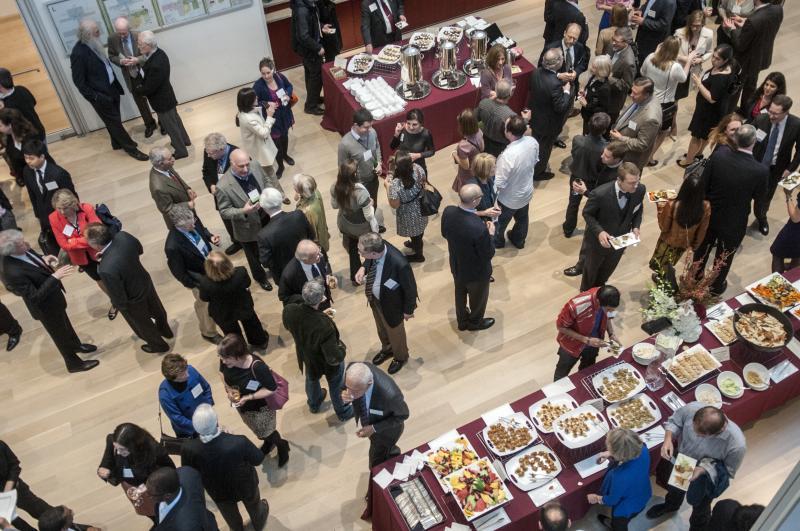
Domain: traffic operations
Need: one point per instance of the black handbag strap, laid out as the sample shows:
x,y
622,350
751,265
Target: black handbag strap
x,y
421,189
160,425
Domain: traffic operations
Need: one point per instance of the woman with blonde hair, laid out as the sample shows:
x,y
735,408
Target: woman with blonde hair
x,y
596,96
68,221
483,167
694,37
309,200
723,133
495,70
468,147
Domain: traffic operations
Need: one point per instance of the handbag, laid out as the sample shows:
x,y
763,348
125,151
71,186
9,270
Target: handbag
x,y
172,445
293,99
279,396
429,199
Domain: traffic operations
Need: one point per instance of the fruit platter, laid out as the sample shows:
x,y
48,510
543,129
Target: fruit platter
x,y
478,489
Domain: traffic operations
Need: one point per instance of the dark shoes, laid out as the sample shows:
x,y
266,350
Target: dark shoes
x,y
112,313
162,130
382,356
604,520
283,453
233,249
321,400
215,339
560,144
148,130
279,171
153,350
415,258
483,325
138,155
407,244
83,366
763,227
573,271
182,156
167,333
519,245
395,366
316,111
658,510
261,522
265,285
86,348
288,160
651,163
13,340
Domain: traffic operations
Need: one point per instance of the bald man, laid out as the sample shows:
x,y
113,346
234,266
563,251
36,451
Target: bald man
x,y
309,262
471,248
123,51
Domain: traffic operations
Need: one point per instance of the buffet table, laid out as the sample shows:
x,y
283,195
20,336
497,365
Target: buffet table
x,y
440,108
521,510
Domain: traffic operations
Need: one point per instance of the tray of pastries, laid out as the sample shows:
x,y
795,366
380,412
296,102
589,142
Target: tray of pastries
x,y
691,365
450,33
722,329
422,40
360,64
580,427
533,468
509,435
545,412
637,413
389,55
618,382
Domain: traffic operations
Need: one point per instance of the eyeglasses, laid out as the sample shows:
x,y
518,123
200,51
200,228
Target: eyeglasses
x,y
773,113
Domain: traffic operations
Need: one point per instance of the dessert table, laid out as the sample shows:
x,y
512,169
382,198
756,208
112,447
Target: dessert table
x,y
521,510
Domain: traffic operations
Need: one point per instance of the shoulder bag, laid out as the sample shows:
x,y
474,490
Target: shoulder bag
x,y
172,445
429,199
279,396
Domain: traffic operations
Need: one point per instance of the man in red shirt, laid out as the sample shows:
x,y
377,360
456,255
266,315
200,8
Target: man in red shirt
x,y
582,325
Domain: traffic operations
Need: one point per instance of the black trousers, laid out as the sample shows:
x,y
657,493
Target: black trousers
x,y
703,251
59,327
148,320
567,361
8,325
253,329
383,446
351,244
109,113
599,264
573,207
749,82
251,253
282,143
141,103
620,523
171,122
31,504
312,70
701,513
230,511
545,148
493,147
47,241
471,299
761,205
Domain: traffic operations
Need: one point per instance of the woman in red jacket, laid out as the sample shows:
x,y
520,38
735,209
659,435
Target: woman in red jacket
x,y
68,221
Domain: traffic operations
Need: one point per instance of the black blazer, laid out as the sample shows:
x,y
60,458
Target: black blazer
x,y
23,101
327,15
41,291
602,212
402,297
278,240
229,300
580,64
190,513
156,85
753,42
210,168
183,259
656,28
305,29
469,244
558,14
91,77
598,98
791,138
733,180
9,465
293,278
373,28
226,465
126,279
117,465
586,152
40,201
548,102
388,410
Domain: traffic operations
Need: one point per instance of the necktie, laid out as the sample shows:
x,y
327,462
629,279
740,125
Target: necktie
x,y
387,16
174,177
315,271
40,181
371,281
568,58
41,263
623,121
126,48
771,144
622,194
360,409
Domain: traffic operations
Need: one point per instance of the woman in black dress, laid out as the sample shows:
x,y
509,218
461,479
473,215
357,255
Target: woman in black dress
x,y
713,93
596,96
413,138
787,243
16,131
248,382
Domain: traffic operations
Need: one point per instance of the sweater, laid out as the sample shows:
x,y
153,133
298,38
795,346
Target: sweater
x,y
626,486
180,405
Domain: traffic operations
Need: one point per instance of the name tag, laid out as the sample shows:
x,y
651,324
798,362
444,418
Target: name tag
x,y
651,13
51,185
220,176
391,284
252,385
705,76
632,125
376,412
197,390
635,210
373,8
736,10
127,473
280,93
68,230
253,195
367,155
760,135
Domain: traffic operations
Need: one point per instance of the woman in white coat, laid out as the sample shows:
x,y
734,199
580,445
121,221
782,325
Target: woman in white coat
x,y
255,130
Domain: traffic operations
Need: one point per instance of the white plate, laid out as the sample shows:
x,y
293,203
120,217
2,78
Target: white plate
x,y
441,36
597,429
351,64
597,381
475,467
730,374
448,445
762,372
791,181
417,35
648,404
759,298
624,240
697,348
557,400
522,420
529,482
645,353
711,390
381,58
712,327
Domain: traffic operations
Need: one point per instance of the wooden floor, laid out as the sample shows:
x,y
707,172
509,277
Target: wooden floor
x,y
56,423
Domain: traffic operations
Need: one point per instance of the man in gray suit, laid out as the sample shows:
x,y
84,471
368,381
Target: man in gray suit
x,y
167,188
639,124
123,51
361,145
238,193
623,70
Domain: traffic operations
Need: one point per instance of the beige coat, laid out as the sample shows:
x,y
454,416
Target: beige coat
x,y
168,192
256,139
231,200
640,132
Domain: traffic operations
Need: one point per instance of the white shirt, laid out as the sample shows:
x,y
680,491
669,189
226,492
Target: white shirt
x,y
164,508
7,94
26,258
621,201
376,286
309,271
513,178
781,128
40,171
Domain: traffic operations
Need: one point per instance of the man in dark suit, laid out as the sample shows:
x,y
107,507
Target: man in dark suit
x,y
392,295
733,180
9,325
226,463
19,98
61,518
94,77
167,188
471,248
378,406
558,14
129,285
158,89
216,161
31,276
549,100
777,133
613,209
654,20
42,177
180,500
576,61
379,19
123,51
319,350
753,39
187,247
623,70
309,262
306,40
277,241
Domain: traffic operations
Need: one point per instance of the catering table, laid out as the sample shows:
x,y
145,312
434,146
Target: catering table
x,y
523,513
440,108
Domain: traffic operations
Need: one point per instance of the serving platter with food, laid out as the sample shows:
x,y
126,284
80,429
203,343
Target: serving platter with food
x,y
360,64
756,376
478,489
533,468
722,329
708,394
659,196
545,412
389,55
509,435
730,384
644,353
580,427
637,413
762,327
682,471
450,33
450,456
618,382
791,181
624,240
691,365
422,40
776,291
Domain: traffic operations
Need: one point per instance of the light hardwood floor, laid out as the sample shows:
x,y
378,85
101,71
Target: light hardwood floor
x,y
56,423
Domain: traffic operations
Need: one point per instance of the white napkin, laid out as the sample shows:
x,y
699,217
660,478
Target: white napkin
x,y
8,505
589,466
490,417
416,460
401,471
443,440
457,527
559,387
721,354
494,520
550,490
476,81
745,298
794,346
784,372
383,478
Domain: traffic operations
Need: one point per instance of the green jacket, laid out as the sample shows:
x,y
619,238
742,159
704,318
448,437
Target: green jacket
x,y
316,338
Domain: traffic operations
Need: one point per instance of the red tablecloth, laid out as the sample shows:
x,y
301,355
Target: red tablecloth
x,y
440,108
523,513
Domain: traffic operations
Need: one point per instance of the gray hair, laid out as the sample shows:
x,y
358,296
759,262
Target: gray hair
x,y
271,199
305,185
359,372
503,89
313,292
9,241
158,155
121,22
215,141
149,38
553,59
306,249
86,29
602,66
745,136
624,445
372,242
182,216
205,422
625,32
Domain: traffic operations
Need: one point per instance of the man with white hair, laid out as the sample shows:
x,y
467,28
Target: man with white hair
x,y
379,408
167,188
310,262
94,77
226,463
158,89
278,240
123,51
216,161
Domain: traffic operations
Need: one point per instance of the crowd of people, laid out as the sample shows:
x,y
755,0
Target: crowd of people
x,y
657,52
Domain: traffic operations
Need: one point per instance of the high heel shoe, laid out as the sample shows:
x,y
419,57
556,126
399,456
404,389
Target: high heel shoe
x,y
283,453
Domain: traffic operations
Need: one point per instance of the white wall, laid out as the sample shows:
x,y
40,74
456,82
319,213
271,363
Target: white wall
x,y
8,7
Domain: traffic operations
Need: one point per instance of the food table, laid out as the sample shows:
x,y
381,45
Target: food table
x,y
440,108
521,510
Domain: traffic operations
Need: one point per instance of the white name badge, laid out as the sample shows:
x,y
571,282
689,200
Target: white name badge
x,y
632,125
390,284
280,93
127,473
68,230
197,390
373,8
736,10
651,13
376,412
367,155
760,135
252,385
253,195
51,185
220,176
